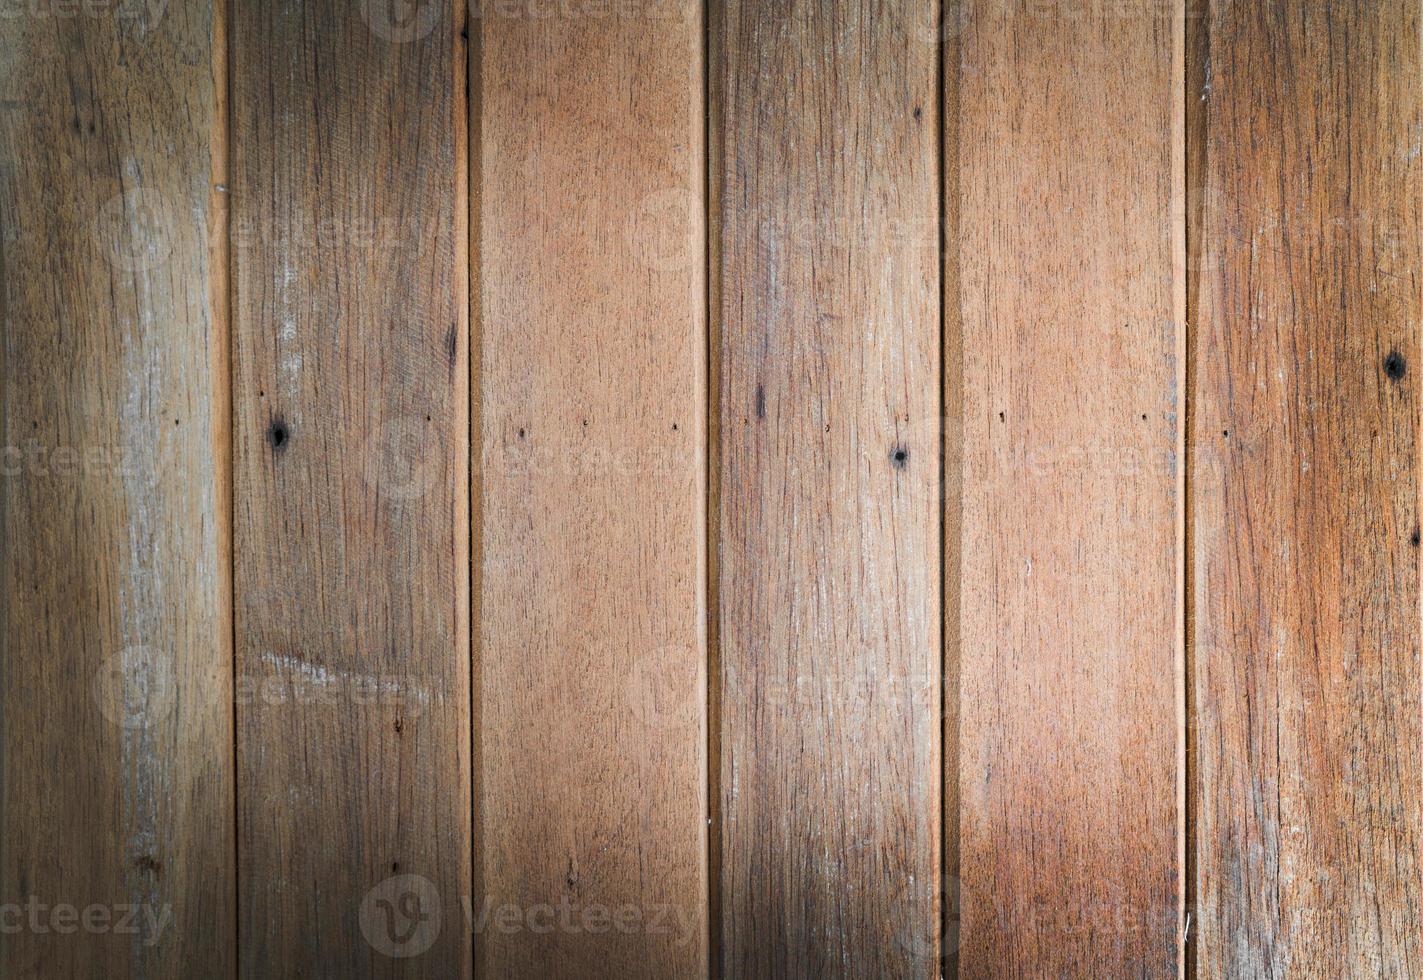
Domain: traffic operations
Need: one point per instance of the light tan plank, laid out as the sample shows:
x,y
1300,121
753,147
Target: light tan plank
x,y
352,482
1305,481
827,306
115,670
591,790
1068,262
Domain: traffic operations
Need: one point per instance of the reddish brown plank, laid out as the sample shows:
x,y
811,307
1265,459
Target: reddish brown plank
x,y
1070,314
1305,482
591,638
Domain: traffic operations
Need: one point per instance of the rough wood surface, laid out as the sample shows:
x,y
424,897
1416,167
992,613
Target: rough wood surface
x,y
591,696
1306,308
946,557
827,306
1071,318
115,635
352,489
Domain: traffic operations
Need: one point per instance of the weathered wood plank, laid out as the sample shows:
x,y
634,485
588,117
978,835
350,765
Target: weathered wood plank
x,y
1070,272
591,638
352,483
115,669
1305,483
827,307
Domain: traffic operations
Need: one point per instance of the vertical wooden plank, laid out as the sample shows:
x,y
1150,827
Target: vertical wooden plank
x,y
1305,490
827,303
948,29
351,409
591,690
115,670
1069,262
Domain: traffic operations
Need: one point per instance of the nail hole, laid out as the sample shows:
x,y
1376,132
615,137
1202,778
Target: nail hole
x,y
899,456
277,434
1394,365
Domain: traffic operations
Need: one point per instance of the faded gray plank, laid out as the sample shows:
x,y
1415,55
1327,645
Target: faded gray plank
x,y
115,631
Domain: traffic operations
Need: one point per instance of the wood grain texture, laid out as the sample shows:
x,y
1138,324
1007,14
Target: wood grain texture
x,y
115,626
352,507
1305,482
591,647
827,306
951,19
1069,266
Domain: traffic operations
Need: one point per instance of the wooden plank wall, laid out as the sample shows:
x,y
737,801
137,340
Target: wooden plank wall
x,y
660,489
1305,631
